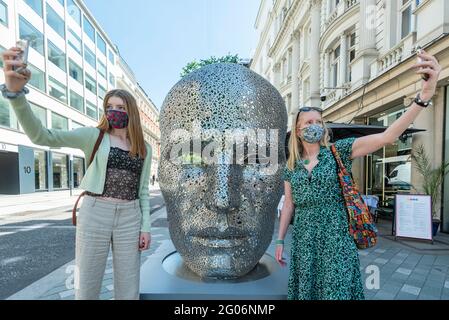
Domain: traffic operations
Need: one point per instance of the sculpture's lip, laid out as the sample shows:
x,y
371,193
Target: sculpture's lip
x,y
216,242
213,237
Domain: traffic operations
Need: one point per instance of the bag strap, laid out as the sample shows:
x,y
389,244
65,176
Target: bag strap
x,y
338,158
96,146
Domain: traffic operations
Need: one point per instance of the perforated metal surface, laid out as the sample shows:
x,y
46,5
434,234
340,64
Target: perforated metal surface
x,y
220,167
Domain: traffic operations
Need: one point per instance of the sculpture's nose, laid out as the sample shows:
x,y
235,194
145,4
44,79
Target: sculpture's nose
x,y
224,189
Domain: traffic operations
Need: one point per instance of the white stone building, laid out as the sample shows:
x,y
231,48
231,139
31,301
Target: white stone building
x,y
353,58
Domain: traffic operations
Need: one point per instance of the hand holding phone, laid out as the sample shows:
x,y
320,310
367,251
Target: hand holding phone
x,y
24,46
425,76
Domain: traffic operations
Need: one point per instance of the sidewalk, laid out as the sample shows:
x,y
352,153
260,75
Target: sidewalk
x,y
42,201
408,270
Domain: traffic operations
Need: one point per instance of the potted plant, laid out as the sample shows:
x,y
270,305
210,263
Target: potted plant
x,y
432,180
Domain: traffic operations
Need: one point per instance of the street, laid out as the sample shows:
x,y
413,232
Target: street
x,y
33,244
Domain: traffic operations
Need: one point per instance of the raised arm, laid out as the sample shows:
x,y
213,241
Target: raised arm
x,y
369,144
15,82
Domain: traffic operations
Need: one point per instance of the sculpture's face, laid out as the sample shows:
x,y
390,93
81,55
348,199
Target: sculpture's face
x,y
222,205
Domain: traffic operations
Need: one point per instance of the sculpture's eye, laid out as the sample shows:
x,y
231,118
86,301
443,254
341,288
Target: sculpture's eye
x,y
190,158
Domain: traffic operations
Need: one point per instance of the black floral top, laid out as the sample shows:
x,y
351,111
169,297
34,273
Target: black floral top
x,y
122,175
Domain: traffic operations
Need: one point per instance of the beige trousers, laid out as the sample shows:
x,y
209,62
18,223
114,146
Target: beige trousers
x,y
100,224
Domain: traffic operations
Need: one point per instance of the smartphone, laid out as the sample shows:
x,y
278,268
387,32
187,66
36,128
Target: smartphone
x,y
425,76
24,46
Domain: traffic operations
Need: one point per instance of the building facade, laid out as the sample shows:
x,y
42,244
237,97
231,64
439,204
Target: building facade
x,y
73,64
353,59
149,114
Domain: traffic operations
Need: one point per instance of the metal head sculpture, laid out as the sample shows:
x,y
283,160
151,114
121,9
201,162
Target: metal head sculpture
x,y
222,133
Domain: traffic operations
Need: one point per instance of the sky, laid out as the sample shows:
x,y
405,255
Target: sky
x,y
157,38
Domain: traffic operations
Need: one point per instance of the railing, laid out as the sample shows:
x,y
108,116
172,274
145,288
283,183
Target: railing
x,y
393,57
332,17
350,3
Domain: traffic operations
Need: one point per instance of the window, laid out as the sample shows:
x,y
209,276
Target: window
x,y
3,13
101,92
335,66
74,11
91,84
57,89
111,79
75,71
61,2
37,78
27,31
1,60
89,29
102,69
75,41
351,53
55,21
76,125
89,56
78,171
60,171
307,39
111,57
40,170
36,5
7,116
56,56
59,122
40,113
91,110
100,113
101,44
76,101
406,18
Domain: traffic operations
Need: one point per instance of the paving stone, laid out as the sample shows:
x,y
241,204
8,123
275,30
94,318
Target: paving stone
x,y
430,291
383,295
405,296
407,272
381,261
410,290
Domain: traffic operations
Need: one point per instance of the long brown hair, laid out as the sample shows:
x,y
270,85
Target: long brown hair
x,y
295,146
134,129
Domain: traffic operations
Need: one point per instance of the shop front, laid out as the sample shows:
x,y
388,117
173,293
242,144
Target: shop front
x,y
388,171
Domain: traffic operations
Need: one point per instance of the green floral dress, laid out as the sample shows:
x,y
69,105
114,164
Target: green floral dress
x,y
324,261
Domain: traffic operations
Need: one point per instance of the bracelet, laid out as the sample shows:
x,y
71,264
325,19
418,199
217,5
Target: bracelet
x,y
12,95
421,102
279,242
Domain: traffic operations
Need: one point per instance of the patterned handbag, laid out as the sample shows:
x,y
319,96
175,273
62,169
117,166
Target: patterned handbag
x,y
361,225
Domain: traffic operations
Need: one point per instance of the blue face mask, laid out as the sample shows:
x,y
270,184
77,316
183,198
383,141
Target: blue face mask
x,y
313,133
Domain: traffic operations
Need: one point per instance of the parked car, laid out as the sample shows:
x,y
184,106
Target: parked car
x,y
400,175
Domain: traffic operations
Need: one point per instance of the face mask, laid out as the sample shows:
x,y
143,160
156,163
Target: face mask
x,y
117,119
313,133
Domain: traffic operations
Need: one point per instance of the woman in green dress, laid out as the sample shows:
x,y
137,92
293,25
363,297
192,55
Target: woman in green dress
x,y
324,262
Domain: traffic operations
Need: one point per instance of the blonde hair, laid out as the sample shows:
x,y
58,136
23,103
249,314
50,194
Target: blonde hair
x,y
295,146
134,129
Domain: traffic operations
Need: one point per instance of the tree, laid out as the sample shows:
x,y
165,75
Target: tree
x,y
195,65
432,177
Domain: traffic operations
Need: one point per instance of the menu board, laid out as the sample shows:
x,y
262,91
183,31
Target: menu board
x,y
413,216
